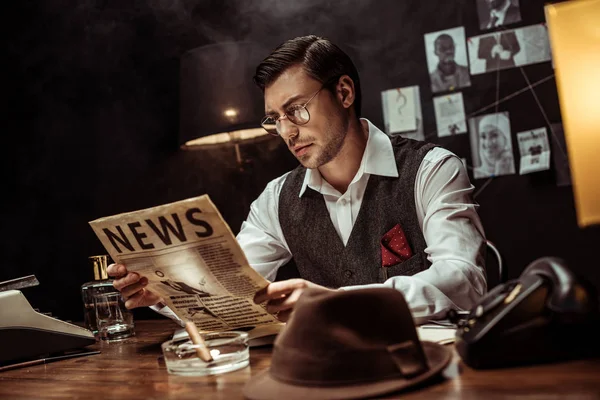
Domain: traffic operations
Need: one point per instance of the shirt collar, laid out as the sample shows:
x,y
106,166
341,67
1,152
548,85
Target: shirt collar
x,y
378,159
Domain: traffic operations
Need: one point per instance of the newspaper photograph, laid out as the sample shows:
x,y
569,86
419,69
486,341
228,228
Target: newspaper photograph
x,y
535,151
191,259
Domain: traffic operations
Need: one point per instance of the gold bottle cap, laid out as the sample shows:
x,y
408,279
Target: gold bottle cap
x,y
100,264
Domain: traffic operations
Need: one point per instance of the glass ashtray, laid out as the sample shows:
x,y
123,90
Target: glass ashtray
x,y
229,352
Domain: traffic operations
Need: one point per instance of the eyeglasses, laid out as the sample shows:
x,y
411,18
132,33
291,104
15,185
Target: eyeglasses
x,y
297,114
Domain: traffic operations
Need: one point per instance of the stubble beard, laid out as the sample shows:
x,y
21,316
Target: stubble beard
x,y
334,140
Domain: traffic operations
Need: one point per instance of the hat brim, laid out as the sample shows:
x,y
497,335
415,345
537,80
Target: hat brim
x,y
264,387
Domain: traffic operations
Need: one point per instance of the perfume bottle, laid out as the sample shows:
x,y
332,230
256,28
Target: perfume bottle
x,y
100,284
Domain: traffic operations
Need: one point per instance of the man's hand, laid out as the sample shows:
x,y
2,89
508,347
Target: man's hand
x,y
497,50
505,55
281,297
132,287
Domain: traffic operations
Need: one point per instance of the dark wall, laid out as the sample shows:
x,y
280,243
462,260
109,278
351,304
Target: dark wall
x,y
92,117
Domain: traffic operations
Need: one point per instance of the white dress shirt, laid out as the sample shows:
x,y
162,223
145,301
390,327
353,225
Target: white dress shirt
x,y
500,15
446,213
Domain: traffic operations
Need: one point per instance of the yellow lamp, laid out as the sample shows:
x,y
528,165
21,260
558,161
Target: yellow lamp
x,y
574,28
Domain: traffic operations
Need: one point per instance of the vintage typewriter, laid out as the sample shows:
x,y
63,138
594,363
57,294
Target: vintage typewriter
x,y
26,334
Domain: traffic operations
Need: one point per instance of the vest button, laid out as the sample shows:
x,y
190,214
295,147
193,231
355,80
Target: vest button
x,y
348,273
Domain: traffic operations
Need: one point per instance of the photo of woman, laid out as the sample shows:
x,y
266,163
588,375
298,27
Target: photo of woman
x,y
491,145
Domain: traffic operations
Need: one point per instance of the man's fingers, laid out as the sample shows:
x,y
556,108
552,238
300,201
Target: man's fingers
x,y
278,289
143,298
127,280
135,300
116,270
130,290
284,316
284,303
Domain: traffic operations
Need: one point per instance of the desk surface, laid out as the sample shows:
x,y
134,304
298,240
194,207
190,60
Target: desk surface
x,y
131,369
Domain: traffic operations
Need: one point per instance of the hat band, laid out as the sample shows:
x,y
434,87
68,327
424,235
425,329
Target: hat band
x,y
301,367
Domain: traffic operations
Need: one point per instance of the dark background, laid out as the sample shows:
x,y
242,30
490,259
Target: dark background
x,y
91,123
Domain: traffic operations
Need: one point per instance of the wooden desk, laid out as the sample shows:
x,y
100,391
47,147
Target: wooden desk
x,y
131,370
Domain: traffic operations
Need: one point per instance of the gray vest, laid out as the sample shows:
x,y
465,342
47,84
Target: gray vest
x,y
319,253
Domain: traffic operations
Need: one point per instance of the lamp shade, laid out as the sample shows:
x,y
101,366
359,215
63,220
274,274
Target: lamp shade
x,y
219,102
574,28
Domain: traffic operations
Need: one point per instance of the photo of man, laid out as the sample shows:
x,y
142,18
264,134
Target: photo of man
x,y
498,50
495,51
495,13
184,287
447,60
321,216
509,49
491,145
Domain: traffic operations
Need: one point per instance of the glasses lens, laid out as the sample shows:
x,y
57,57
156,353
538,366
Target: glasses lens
x,y
298,114
270,125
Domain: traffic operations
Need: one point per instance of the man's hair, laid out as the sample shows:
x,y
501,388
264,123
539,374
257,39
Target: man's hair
x,y
443,36
320,59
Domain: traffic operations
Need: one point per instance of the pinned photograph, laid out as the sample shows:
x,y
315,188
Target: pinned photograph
x,y
450,114
491,145
447,59
509,49
495,13
402,112
535,151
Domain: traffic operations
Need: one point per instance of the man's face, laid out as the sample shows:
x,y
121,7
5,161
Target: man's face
x,y
495,4
319,140
492,141
444,49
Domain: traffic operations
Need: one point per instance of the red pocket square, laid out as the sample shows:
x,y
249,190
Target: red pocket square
x,y
394,247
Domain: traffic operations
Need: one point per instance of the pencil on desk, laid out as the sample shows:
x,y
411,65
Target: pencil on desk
x,y
201,349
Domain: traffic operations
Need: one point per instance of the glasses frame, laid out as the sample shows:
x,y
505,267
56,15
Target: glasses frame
x,y
286,115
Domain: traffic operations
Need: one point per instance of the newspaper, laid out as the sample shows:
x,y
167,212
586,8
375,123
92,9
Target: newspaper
x,y
191,259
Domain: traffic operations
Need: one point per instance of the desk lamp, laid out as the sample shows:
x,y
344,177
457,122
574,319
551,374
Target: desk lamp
x,y
219,103
574,28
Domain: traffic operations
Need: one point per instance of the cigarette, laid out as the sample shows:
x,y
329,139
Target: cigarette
x,y
201,350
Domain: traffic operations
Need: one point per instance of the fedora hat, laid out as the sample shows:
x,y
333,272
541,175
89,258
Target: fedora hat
x,y
347,345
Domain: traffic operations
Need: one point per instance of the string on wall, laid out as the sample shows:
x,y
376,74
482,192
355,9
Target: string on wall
x,y
490,134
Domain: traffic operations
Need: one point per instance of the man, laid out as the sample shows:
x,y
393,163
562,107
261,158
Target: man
x,y
495,13
448,75
341,213
498,50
